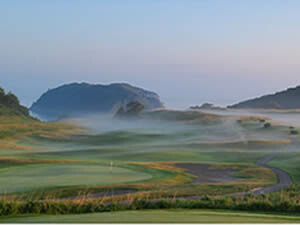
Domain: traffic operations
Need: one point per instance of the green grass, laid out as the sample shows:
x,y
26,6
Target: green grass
x,y
32,177
160,216
207,143
142,154
141,160
290,162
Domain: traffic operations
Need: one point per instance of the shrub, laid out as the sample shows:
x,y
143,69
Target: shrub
x,y
225,203
31,207
294,132
9,208
279,201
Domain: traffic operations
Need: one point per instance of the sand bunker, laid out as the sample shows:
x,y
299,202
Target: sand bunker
x,y
206,174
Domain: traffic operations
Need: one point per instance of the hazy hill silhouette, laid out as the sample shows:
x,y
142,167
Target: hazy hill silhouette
x,y
78,99
288,99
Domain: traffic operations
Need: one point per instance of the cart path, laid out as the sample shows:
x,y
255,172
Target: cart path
x,y
282,176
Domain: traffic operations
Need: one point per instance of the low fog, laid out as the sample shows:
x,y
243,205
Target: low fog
x,y
106,137
179,132
289,118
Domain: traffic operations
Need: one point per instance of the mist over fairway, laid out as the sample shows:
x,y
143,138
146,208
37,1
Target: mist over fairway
x,y
288,117
155,154
186,153
182,131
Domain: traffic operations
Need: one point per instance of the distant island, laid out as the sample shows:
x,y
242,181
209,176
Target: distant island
x,y
79,99
288,99
207,106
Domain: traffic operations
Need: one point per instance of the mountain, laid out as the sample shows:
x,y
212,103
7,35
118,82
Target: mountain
x,y
288,99
79,99
10,105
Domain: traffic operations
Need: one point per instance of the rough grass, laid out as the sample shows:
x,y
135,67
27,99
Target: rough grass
x,y
39,147
275,202
49,161
16,125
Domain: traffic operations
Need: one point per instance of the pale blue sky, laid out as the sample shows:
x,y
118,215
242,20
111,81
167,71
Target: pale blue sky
x,y
189,52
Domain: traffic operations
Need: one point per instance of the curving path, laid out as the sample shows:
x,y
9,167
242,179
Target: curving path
x,y
283,177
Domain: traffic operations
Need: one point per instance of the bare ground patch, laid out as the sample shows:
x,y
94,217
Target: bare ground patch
x,y
205,173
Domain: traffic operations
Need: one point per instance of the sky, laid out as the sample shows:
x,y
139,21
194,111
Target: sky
x,y
187,51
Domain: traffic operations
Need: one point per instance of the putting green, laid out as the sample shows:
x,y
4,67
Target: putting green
x,y
38,176
159,216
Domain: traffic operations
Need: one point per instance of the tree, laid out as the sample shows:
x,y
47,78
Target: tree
x,y
132,110
12,100
294,132
2,92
